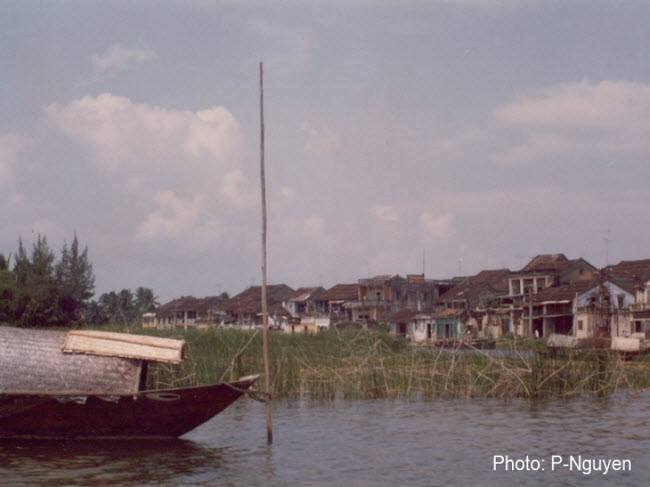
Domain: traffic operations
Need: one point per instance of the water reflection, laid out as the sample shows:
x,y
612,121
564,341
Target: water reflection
x,y
107,462
446,442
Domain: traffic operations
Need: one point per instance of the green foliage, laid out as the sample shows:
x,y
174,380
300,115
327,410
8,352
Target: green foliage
x,y
40,291
36,293
122,307
362,364
8,287
75,281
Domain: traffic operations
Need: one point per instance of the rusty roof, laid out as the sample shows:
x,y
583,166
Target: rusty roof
x,y
638,269
188,303
495,280
564,292
543,262
306,293
448,313
340,292
250,300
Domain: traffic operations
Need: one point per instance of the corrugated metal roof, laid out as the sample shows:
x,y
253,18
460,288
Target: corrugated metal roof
x,y
32,361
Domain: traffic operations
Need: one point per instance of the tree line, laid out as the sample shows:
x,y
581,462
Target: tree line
x,y
40,290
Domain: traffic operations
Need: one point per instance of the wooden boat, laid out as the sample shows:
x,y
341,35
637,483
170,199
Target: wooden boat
x,y
90,385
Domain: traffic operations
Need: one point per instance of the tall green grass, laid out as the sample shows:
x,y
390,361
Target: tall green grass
x,y
361,364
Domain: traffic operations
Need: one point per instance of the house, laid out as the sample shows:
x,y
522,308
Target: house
x,y
641,310
637,274
384,295
334,301
308,324
427,325
452,323
479,296
472,291
303,301
543,271
581,309
187,311
149,320
245,309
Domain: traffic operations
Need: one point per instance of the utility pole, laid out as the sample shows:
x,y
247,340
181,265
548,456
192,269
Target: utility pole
x,y
265,314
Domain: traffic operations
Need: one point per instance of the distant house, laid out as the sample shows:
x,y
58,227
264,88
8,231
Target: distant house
x,y
335,301
245,309
542,272
187,311
472,291
547,270
636,274
432,325
303,301
382,296
641,310
582,309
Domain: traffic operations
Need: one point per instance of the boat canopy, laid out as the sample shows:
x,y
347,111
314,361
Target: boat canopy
x,y
33,362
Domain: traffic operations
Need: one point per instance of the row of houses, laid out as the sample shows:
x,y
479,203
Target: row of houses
x,y
550,295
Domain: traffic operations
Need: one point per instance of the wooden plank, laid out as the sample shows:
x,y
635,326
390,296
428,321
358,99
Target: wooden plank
x,y
124,345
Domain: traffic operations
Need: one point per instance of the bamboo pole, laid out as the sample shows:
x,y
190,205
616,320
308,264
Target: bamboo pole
x,y
265,317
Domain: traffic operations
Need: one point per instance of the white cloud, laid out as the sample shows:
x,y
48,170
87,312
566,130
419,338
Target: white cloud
x,y
236,192
120,132
435,226
384,213
586,119
179,221
320,141
10,147
118,57
605,104
173,216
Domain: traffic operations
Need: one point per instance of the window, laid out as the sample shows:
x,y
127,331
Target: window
x,y
580,325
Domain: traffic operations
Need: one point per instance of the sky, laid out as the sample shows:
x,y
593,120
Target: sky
x,y
400,136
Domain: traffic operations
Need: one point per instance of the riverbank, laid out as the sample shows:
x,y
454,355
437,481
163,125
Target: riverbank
x,y
357,364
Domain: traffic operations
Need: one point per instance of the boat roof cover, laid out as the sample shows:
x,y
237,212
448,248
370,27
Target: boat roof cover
x,y
32,362
124,345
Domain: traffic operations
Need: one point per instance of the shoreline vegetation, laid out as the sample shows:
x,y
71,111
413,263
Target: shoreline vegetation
x,y
351,363
361,364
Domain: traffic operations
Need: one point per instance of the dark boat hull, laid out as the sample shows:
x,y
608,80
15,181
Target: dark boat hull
x,y
146,415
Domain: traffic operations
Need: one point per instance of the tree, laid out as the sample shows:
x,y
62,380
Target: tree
x,y
145,300
36,293
7,291
75,281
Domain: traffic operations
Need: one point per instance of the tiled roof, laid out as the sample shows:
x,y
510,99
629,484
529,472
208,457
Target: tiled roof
x,y
305,293
250,300
638,269
565,292
544,262
188,303
403,316
448,313
472,286
340,292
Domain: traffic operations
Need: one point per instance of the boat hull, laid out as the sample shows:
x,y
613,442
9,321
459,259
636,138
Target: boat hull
x,y
156,414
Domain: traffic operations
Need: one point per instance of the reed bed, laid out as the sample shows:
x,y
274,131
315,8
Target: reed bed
x,y
359,364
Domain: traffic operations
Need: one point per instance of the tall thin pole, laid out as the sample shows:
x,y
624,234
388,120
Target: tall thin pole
x,y
265,316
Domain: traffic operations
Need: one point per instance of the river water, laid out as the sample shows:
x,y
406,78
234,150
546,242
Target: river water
x,y
368,443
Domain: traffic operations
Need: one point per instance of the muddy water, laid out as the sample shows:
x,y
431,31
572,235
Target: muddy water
x,y
368,443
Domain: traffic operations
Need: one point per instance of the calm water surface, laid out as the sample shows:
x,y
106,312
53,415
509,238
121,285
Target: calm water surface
x,y
364,443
